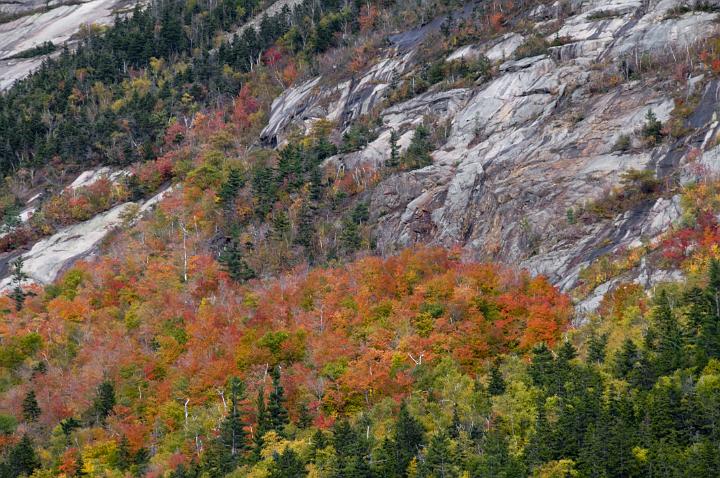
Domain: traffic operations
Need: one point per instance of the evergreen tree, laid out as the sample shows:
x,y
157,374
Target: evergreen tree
x,y
124,455
418,151
542,366
394,160
233,260
230,188
408,437
439,459
305,418
232,430
104,401
287,465
455,424
30,407
22,459
280,226
597,346
277,413
262,424
385,462
665,337
350,237
496,386
18,293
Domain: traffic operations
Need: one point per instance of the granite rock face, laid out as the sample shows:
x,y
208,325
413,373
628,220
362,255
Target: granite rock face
x,y
528,146
37,22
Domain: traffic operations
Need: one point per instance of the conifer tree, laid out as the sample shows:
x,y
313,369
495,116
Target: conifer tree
x,y
277,413
230,188
30,407
408,437
233,260
262,424
232,431
597,346
18,293
22,459
104,401
542,365
496,386
439,458
287,465
665,337
394,160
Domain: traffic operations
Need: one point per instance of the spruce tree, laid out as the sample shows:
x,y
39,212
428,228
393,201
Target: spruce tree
x,y
233,260
22,459
124,456
230,188
104,401
394,160
665,337
30,407
408,437
287,465
542,365
496,386
18,293
277,413
597,347
261,426
232,430
439,458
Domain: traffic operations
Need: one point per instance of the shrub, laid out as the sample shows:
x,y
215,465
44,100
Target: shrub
x,y
623,143
534,45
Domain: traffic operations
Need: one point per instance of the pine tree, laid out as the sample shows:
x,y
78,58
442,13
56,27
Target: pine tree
x,y
394,160
232,431
287,465
262,425
542,365
350,236
280,226
230,188
31,409
233,260
305,418
455,424
597,347
439,458
408,437
418,151
18,294
626,359
124,455
22,459
665,337
104,401
306,227
277,413
496,386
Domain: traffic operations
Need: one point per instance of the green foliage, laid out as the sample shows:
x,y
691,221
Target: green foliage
x,y
233,260
287,465
31,409
21,460
496,385
533,45
652,129
8,424
417,154
277,414
104,402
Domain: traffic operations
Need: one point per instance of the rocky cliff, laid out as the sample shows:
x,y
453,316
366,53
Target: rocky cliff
x,y
526,153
